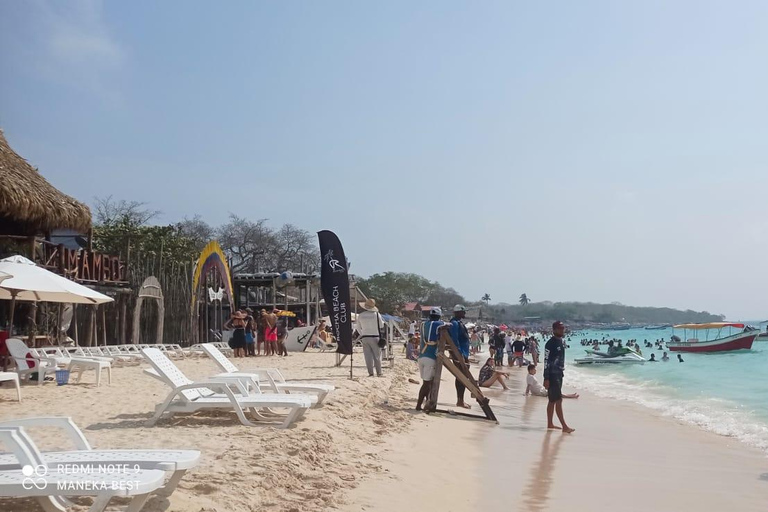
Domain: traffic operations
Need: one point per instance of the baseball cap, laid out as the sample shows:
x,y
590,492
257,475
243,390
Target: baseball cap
x,y
558,324
458,307
436,312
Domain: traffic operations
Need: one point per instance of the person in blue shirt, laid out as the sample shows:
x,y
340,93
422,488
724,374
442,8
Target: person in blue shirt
x,y
430,335
461,339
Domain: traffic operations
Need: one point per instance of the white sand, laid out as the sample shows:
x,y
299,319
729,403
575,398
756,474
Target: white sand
x,y
366,449
307,467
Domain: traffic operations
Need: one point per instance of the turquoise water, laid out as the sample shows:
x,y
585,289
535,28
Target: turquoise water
x,y
725,393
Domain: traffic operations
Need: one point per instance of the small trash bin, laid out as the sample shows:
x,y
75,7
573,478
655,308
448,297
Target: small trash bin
x,y
62,377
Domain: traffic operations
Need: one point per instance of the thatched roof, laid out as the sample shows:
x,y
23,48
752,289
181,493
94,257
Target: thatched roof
x,y
29,204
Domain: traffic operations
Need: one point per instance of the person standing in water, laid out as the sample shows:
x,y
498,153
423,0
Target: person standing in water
x,y
554,367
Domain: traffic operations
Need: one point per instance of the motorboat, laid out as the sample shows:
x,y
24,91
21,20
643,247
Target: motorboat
x,y
622,356
657,327
710,337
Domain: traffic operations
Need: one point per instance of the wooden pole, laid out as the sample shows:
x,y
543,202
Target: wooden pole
x,y
33,327
59,322
123,319
74,324
89,331
104,324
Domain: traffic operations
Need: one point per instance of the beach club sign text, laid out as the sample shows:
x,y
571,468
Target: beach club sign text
x,y
82,265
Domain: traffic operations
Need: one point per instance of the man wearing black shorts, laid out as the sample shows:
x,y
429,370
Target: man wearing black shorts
x,y
554,365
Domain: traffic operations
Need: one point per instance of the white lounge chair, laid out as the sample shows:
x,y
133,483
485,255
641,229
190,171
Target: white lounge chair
x,y
188,396
12,377
174,462
50,485
269,377
77,364
28,364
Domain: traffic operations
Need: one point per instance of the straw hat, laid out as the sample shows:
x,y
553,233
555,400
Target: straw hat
x,y
369,305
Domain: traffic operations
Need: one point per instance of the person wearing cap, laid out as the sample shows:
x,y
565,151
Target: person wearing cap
x,y
369,325
554,367
460,337
430,335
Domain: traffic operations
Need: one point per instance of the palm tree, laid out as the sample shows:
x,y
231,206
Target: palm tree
x,y
524,300
486,298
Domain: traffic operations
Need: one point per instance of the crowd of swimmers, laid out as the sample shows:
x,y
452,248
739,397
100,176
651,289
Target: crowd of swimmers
x,y
614,346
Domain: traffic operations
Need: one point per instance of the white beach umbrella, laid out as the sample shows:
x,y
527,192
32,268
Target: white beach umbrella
x,y
28,282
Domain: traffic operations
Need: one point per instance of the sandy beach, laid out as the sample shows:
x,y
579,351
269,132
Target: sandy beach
x,y
621,457
366,449
308,467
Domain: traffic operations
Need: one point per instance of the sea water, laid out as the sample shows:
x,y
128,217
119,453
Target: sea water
x,y
725,393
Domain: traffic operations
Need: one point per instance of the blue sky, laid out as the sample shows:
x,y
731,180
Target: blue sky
x,y
603,151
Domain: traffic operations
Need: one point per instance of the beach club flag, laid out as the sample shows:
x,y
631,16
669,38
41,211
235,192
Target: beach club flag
x,y
334,282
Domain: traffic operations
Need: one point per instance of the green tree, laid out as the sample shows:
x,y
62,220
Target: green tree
x,y
486,298
524,300
392,290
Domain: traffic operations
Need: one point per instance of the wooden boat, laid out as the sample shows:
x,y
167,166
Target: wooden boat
x,y
714,340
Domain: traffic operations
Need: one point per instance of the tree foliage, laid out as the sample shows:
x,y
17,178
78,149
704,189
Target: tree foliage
x,y
392,290
524,300
251,246
588,312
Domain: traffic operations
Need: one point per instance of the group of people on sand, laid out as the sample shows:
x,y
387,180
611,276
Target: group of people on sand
x,y
554,363
516,347
250,333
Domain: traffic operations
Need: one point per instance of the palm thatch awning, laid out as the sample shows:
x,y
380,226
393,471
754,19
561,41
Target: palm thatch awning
x,y
29,205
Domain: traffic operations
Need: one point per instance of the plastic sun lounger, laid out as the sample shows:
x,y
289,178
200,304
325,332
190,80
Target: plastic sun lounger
x,y
272,376
82,352
78,364
174,462
28,364
187,396
52,485
12,377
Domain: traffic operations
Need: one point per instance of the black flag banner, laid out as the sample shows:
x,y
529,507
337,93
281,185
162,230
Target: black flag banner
x,y
334,281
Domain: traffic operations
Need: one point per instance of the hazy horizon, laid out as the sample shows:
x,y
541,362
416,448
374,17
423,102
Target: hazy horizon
x,y
593,151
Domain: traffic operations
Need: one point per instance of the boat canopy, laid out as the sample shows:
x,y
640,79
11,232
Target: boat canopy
x,y
713,325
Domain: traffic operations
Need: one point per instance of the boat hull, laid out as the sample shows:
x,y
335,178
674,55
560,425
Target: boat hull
x,y
599,359
604,361
741,341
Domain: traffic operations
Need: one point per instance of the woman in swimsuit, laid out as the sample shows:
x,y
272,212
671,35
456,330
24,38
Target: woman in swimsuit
x,y
489,375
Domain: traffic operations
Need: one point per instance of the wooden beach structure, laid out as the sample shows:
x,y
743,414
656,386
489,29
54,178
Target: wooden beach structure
x,y
454,363
31,212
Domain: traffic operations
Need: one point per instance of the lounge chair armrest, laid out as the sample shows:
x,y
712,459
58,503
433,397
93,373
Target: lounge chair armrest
x,y
213,386
64,423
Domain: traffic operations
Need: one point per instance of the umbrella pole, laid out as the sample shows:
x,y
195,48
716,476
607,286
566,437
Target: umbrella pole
x,y
10,327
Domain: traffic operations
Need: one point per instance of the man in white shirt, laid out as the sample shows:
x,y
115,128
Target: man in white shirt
x,y
369,325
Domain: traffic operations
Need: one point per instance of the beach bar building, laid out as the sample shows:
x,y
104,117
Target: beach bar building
x,y
32,213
